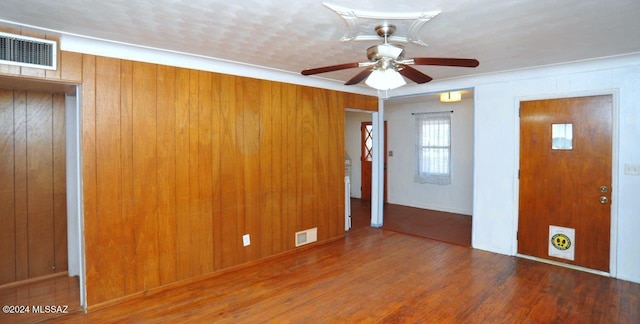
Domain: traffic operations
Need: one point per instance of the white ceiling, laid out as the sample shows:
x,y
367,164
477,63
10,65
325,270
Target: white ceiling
x,y
295,35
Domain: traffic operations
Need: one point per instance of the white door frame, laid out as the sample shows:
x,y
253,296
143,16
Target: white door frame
x,y
377,166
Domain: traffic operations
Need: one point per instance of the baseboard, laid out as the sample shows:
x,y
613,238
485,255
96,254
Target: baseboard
x,y
154,291
34,280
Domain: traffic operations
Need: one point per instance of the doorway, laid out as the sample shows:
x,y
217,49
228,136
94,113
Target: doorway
x,y
366,157
566,180
40,131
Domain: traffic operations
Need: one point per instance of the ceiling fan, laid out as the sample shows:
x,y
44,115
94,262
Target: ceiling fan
x,y
387,65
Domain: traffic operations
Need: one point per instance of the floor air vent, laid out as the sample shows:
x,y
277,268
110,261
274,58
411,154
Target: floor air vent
x,y
27,51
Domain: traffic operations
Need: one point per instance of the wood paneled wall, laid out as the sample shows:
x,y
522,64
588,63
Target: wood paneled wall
x,y
178,164
33,226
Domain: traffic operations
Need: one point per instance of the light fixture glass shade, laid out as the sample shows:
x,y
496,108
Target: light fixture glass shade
x,y
452,96
385,79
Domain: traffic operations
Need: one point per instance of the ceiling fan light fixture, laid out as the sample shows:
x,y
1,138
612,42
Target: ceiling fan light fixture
x,y
385,79
452,96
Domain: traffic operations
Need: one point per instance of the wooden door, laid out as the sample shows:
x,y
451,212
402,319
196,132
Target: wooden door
x,y
366,157
566,181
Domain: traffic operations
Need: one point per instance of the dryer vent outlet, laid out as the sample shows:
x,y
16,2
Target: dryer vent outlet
x,y
306,236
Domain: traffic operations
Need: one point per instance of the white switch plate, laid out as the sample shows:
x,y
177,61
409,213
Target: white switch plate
x,y
632,169
246,240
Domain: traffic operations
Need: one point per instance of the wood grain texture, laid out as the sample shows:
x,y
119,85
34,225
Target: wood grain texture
x,y
265,201
89,180
178,164
562,187
109,171
40,184
227,172
217,156
375,275
59,184
145,185
32,189
7,191
167,174
127,203
204,218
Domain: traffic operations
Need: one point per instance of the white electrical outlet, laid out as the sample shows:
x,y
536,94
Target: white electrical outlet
x,y
632,169
246,240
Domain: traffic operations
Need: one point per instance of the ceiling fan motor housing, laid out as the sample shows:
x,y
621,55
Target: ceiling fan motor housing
x,y
386,50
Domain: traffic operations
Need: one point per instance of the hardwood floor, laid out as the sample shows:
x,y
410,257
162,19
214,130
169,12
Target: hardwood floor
x,y
436,225
377,275
60,291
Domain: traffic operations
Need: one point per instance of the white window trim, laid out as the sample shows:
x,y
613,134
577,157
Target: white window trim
x,y
423,176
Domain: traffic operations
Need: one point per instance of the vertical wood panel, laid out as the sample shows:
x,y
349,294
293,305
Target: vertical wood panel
x,y
40,183
183,228
7,191
204,219
291,165
20,167
217,155
145,188
196,231
336,116
265,209
167,174
128,212
251,161
59,184
228,171
323,177
89,183
276,141
70,66
239,168
109,178
309,159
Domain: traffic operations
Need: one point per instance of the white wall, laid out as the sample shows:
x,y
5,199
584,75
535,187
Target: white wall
x,y
401,167
353,121
496,146
497,103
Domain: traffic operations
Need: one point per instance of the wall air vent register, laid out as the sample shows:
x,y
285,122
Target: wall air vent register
x,y
27,51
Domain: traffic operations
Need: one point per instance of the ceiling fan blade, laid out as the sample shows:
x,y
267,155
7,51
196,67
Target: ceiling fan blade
x,y
414,75
330,68
444,61
360,76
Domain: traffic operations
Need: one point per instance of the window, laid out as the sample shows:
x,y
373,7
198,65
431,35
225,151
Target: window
x,y
433,148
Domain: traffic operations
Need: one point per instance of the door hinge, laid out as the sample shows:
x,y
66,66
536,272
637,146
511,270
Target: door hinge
x,y
517,235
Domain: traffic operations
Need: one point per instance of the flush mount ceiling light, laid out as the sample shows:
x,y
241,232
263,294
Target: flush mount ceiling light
x,y
452,96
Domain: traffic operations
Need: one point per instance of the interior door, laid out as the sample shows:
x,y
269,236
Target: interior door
x,y
366,157
565,180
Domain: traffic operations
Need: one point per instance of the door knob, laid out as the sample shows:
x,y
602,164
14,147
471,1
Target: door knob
x,y
603,200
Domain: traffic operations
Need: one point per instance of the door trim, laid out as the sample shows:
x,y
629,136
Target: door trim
x,y
613,250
